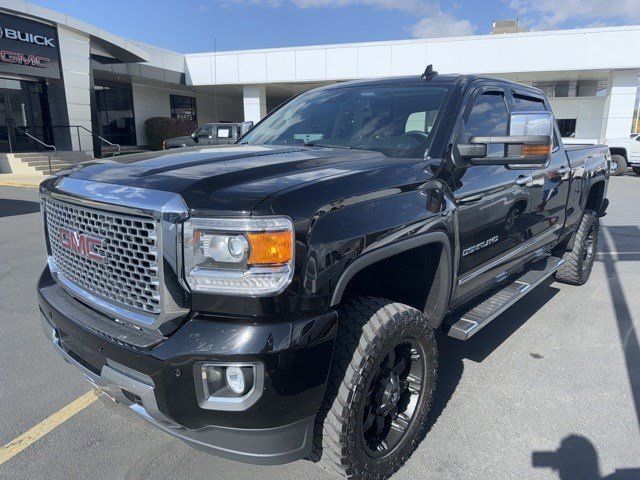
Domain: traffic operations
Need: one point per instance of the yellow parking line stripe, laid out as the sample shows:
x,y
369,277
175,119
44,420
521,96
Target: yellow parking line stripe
x,y
18,444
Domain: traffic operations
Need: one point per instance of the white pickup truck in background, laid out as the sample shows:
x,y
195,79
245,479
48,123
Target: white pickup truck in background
x,y
625,152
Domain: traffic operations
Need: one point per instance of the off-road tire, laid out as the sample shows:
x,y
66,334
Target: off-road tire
x,y
636,170
622,165
577,264
368,328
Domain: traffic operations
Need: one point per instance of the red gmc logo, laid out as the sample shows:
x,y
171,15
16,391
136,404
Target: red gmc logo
x,y
82,244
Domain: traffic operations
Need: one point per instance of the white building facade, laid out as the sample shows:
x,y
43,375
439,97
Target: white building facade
x,y
78,87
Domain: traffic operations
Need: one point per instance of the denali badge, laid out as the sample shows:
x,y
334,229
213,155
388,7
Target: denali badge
x,y
480,246
82,244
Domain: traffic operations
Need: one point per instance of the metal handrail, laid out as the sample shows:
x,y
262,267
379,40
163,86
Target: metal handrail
x,y
37,140
78,127
101,138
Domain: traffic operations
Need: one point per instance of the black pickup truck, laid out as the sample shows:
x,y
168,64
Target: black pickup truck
x,y
278,300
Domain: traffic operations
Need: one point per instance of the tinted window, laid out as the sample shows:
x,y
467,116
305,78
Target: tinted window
x,y
204,131
528,104
488,116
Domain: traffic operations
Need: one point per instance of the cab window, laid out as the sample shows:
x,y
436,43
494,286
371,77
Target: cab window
x,y
488,117
528,104
204,131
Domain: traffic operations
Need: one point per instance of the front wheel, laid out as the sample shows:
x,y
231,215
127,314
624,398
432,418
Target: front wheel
x,y
618,165
636,170
379,392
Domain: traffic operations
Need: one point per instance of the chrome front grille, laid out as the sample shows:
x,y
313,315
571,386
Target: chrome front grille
x,y
129,244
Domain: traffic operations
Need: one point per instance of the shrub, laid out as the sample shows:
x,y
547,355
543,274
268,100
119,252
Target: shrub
x,y
159,129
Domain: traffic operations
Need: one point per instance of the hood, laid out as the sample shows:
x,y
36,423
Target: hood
x,y
235,178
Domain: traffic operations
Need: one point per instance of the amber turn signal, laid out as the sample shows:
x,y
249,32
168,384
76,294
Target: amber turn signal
x,y
270,248
531,150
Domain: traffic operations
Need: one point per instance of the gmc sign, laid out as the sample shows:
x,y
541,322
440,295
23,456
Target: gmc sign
x,y
22,59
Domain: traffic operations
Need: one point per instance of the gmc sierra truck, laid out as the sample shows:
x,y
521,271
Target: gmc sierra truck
x,y
277,300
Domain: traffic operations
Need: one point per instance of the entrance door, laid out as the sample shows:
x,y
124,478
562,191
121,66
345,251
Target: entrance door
x,y
20,107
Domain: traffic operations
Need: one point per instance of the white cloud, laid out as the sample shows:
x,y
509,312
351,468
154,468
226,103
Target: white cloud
x,y
547,14
441,24
433,21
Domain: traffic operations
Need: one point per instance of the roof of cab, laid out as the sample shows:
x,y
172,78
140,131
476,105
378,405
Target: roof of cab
x,y
447,79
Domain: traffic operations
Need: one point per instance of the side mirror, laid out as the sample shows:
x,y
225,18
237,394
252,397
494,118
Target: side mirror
x,y
245,127
529,142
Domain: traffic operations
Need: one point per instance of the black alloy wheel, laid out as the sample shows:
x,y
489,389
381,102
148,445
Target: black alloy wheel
x,y
392,398
379,392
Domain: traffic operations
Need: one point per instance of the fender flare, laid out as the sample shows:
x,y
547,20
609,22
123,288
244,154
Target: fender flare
x,y
444,273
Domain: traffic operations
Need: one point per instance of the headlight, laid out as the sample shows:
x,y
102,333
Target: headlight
x,y
239,256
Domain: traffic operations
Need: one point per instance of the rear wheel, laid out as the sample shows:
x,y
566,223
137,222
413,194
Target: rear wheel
x,y
379,392
636,170
618,165
579,261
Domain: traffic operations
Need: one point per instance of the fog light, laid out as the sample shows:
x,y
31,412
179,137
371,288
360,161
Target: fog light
x,y
235,379
228,386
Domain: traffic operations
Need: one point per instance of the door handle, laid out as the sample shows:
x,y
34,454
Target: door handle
x,y
523,180
563,170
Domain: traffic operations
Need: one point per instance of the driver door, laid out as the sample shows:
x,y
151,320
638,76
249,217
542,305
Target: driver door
x,y
493,200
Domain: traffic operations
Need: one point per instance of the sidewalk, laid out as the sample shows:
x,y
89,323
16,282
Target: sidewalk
x,y
21,180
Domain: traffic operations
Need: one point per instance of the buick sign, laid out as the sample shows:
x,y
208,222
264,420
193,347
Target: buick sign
x,y
12,34
28,47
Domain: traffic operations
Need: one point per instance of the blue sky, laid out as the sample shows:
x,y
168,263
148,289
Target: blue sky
x,y
189,26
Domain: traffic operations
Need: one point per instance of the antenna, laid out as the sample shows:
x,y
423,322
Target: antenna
x,y
429,73
215,81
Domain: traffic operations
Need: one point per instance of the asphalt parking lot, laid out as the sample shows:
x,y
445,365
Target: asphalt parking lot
x,y
550,390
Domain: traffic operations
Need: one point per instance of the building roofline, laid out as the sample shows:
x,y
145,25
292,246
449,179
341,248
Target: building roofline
x,y
125,50
538,33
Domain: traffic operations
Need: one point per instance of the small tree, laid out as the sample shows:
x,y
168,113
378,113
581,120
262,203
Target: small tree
x,y
158,129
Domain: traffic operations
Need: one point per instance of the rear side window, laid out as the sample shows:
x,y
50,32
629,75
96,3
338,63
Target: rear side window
x,y
421,121
528,104
224,132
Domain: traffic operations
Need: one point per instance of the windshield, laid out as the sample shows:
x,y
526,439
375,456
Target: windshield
x,y
395,120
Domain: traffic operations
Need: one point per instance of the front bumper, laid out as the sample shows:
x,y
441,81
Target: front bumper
x,y
155,379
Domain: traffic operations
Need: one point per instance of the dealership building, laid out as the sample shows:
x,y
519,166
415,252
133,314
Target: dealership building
x,y
85,91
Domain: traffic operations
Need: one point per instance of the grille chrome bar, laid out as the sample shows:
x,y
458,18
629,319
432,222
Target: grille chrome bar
x,y
140,281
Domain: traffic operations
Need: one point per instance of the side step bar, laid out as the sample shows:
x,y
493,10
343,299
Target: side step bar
x,y
465,324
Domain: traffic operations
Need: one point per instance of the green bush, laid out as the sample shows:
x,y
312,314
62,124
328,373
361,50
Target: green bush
x,y
159,129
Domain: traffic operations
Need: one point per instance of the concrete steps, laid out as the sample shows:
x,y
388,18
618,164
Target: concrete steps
x,y
38,162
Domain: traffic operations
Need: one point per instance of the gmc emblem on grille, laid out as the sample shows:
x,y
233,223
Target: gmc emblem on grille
x,y
82,244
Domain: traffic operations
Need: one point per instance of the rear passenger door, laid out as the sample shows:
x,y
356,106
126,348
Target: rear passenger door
x,y
492,199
